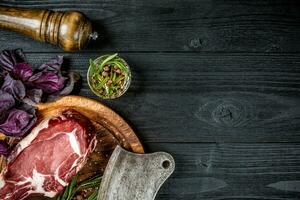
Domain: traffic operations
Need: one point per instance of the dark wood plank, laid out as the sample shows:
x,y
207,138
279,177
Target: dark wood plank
x,y
230,118
232,171
171,25
206,98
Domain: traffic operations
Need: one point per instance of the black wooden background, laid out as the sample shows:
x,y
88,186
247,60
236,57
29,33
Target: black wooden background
x,y
215,83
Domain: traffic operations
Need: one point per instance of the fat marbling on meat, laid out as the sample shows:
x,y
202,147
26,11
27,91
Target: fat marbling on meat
x,y
45,161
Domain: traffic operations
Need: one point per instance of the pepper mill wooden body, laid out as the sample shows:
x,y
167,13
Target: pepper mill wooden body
x,y
69,30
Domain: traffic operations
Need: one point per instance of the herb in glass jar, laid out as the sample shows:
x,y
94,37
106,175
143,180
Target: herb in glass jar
x,y
109,76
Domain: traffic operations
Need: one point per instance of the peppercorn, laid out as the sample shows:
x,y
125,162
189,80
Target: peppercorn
x,y
109,82
104,74
106,68
118,71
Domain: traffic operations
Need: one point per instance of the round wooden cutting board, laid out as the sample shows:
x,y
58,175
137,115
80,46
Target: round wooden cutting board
x,y
111,130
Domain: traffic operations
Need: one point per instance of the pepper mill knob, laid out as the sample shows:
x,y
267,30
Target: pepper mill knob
x,y
69,30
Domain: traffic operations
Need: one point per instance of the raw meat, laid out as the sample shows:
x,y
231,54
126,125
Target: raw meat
x,y
45,161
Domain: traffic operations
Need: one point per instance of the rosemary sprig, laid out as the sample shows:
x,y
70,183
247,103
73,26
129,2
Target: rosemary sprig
x,y
94,181
93,66
120,78
106,60
108,75
73,188
93,196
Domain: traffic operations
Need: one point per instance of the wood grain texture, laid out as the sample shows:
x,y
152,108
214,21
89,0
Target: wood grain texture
x,y
171,25
232,171
215,83
206,98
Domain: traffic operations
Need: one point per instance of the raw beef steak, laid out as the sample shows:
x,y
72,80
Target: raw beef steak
x,y
45,161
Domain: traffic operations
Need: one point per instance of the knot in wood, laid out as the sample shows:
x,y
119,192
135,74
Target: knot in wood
x,y
225,112
195,43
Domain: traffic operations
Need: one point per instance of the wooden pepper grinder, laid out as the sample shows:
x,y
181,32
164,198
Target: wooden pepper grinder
x,y
69,30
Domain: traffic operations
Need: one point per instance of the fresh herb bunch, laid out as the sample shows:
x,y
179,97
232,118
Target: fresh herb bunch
x,y
108,76
73,188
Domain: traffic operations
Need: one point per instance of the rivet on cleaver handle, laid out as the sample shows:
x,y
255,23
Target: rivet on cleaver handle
x,y
130,176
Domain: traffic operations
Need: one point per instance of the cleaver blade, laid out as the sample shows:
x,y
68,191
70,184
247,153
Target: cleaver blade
x,y
131,176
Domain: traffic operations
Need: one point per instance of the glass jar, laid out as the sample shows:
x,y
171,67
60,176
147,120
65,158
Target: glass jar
x,y
109,76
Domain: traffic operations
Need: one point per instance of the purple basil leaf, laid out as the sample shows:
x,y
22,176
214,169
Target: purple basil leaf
x,y
31,111
4,148
14,87
54,64
33,97
49,82
6,101
22,71
73,77
27,108
17,122
9,58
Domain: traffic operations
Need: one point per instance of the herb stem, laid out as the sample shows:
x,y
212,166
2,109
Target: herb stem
x,y
109,76
73,188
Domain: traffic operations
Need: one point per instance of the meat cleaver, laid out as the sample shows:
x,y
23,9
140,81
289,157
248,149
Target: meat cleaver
x,y
131,176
